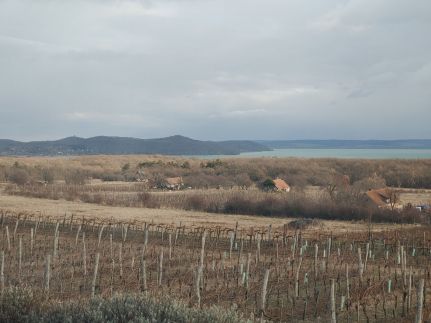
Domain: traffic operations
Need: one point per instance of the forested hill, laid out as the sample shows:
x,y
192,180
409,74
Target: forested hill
x,y
174,145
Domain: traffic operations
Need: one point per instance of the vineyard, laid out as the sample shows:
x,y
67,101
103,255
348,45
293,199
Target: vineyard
x,y
266,274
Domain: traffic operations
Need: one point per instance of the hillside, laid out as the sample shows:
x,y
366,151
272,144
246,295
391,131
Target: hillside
x,y
174,145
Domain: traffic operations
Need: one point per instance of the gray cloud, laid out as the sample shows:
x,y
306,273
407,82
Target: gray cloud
x,y
215,69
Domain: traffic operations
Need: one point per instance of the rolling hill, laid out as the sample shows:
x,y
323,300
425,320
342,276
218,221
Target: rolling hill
x,y
174,145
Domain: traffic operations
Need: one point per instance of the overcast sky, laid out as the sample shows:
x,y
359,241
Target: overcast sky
x,y
215,69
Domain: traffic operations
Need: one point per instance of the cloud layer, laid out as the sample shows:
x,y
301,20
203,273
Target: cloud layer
x,y
215,69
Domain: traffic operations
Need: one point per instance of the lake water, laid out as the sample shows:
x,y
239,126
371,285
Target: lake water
x,y
336,153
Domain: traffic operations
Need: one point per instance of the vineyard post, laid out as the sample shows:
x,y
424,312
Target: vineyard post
x,y
36,226
297,277
15,230
160,268
143,275
177,230
367,251
230,244
360,264
111,246
56,233
333,313
347,286
316,251
19,258
295,239
269,233
47,272
93,284
170,245
8,238
264,292
403,266
84,254
409,295
145,239
2,272
112,274
258,249
247,273
200,270
235,232
31,240
120,259
420,302
77,235
100,236
71,223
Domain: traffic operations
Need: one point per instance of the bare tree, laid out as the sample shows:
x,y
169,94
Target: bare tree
x,y
394,198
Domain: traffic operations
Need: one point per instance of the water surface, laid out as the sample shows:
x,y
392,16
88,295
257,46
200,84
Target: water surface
x,y
335,153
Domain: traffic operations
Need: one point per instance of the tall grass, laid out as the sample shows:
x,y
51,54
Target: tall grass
x,y
319,205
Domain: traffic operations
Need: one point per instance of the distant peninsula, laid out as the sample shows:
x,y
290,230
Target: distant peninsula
x,y
104,145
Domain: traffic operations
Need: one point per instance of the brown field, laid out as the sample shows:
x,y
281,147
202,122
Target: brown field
x,y
56,210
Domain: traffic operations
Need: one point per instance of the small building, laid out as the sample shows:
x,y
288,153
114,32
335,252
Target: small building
x,y
280,185
174,183
380,197
423,208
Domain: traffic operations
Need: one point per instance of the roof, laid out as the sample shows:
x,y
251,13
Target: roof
x,y
280,184
174,180
379,197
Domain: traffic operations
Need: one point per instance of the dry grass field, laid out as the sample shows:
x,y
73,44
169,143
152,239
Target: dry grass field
x,y
56,209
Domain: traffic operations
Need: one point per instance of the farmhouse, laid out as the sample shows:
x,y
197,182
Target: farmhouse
x,y
380,197
280,185
174,183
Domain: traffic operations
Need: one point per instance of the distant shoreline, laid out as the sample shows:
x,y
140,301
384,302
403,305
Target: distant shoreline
x,y
343,153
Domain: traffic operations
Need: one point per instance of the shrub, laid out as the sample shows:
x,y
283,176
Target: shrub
x,y
48,175
267,185
145,199
20,305
75,178
18,176
195,202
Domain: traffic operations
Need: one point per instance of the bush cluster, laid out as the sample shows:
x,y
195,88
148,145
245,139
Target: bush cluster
x,y
22,305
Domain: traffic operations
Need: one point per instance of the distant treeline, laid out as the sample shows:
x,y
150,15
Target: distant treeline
x,y
219,172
